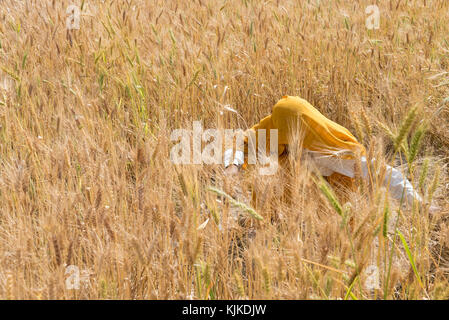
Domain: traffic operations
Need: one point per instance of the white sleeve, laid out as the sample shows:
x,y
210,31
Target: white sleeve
x,y
329,164
227,157
238,160
398,184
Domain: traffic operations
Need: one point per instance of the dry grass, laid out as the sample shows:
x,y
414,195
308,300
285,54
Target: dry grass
x,y
85,177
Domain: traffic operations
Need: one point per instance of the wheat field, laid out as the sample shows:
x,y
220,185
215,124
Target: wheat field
x,y
91,206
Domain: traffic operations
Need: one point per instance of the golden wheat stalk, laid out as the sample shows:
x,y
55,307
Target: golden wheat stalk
x,y
236,203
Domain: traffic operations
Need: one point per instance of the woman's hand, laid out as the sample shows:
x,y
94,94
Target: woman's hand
x,y
433,209
231,170
229,173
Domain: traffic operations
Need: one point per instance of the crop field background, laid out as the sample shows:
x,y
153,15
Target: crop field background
x,y
91,207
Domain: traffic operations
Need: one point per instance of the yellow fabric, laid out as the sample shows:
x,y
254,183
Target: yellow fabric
x,y
299,122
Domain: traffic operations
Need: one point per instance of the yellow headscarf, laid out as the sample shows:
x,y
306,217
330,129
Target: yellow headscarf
x,y
298,121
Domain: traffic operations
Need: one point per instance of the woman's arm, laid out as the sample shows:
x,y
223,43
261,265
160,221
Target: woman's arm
x,y
240,157
399,186
394,180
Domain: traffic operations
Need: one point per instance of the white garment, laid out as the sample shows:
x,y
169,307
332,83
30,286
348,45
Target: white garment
x,y
239,158
398,184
